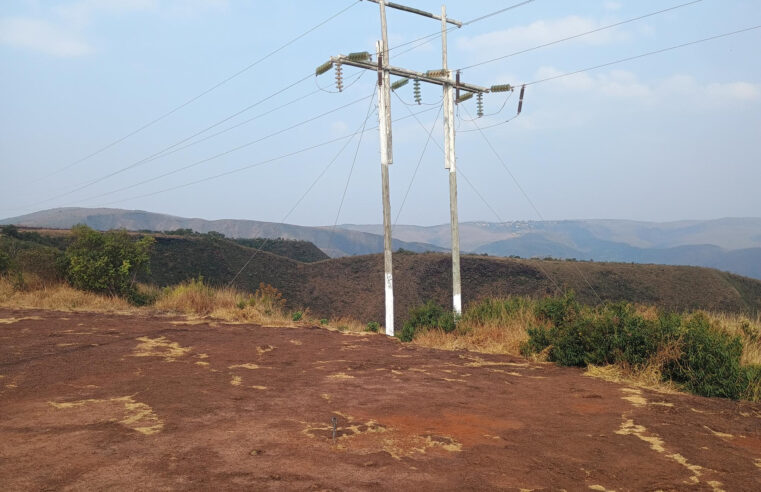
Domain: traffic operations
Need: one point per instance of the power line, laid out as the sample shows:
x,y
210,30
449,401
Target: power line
x,y
205,92
420,160
525,195
308,190
609,26
427,37
255,164
207,159
351,169
622,60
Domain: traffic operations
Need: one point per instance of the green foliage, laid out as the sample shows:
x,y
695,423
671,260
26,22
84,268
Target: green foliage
x,y
324,321
707,360
373,326
5,263
297,316
428,316
709,364
106,262
10,230
496,310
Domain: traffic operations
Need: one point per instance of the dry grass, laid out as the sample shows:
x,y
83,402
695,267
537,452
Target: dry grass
x,y
487,338
59,297
748,329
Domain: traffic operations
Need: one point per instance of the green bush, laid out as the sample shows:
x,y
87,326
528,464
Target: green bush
x,y
709,364
5,263
373,326
106,262
428,316
297,316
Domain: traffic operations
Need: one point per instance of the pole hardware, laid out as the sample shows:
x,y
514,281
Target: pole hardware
x,y
416,91
501,88
323,68
339,77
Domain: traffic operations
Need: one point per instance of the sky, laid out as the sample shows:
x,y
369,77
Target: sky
x,y
174,106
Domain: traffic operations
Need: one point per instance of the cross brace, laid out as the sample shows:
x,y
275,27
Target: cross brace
x,y
410,74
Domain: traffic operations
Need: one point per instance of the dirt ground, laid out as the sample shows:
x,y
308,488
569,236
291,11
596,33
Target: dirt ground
x,y
93,402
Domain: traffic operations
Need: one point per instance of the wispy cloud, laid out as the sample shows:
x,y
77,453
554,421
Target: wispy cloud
x,y
42,36
539,32
61,30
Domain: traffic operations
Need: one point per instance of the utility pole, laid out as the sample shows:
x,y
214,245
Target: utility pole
x,y
384,118
442,77
450,162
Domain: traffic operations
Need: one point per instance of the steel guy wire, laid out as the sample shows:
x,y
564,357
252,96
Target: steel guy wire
x,y
205,92
525,195
360,132
609,26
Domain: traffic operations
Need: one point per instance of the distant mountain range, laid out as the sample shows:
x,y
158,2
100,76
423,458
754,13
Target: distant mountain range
x,y
732,244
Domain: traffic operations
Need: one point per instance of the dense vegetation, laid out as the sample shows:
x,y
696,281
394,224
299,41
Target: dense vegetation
x,y
690,350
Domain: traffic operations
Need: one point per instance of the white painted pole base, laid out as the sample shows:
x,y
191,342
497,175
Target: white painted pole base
x,y
457,304
389,305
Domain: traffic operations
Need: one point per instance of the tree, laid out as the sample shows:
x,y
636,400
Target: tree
x,y
106,262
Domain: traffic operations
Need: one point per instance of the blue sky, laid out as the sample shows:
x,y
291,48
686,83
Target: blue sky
x,y
666,137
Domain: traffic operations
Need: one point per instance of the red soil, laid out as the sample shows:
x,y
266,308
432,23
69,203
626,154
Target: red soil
x,y
93,401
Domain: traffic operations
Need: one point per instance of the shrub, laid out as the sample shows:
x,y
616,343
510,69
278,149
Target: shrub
x,y
297,316
5,263
425,317
324,321
373,326
709,364
106,262
268,300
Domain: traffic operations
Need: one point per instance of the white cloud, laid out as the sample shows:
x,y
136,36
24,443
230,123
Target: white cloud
x,y
43,36
537,33
612,5
60,30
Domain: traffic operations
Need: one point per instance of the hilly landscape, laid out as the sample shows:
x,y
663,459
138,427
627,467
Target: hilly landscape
x,y
351,287
731,244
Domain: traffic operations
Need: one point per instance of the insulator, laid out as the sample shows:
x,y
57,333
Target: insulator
x,y
439,73
399,83
339,77
359,56
501,88
520,102
480,104
464,97
323,68
416,91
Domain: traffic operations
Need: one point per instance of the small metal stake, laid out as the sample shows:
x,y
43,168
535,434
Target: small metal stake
x,y
334,421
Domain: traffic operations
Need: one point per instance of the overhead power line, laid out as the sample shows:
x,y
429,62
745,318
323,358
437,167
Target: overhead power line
x,y
252,165
438,33
234,149
203,93
643,55
603,28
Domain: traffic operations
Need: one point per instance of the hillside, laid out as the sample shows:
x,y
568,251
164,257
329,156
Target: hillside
x,y
335,243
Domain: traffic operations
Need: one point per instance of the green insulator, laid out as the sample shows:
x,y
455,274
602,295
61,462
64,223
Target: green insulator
x,y
323,68
399,83
464,97
501,88
359,56
439,73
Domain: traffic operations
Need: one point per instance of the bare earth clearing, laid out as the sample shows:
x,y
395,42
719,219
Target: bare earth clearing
x,y
93,401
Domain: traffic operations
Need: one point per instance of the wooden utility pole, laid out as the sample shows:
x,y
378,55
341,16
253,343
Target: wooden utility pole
x,y
442,77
